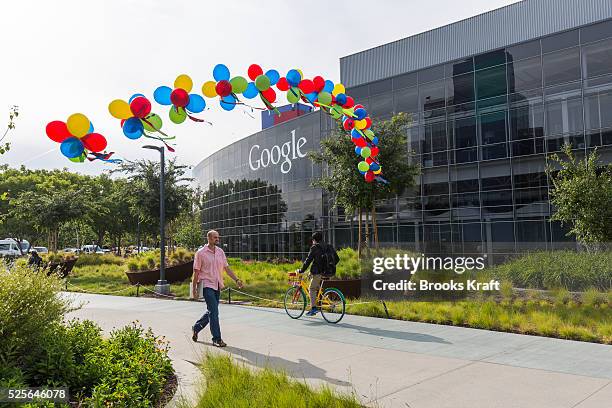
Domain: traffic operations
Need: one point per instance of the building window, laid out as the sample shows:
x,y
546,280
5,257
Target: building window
x,y
460,89
406,100
562,66
525,75
525,50
491,82
597,59
560,41
490,59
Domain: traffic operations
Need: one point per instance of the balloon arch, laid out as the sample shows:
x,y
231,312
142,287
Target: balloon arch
x,y
78,140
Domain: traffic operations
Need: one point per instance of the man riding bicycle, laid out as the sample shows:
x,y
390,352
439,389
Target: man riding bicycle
x,y
324,259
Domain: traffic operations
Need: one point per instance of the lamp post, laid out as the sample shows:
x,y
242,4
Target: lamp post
x,y
162,285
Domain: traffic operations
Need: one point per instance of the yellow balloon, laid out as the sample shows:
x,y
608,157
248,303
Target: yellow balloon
x,y
208,89
338,89
120,109
184,82
361,124
78,124
378,171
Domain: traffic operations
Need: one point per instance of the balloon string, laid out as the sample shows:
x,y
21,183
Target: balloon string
x,y
269,105
161,140
156,129
198,119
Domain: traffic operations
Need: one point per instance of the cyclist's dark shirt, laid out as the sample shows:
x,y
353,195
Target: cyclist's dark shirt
x,y
315,254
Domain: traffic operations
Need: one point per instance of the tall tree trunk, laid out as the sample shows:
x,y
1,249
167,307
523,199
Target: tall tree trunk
x,y
359,233
374,225
367,233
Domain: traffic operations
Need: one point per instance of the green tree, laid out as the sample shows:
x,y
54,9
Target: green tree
x,y
13,113
582,196
347,185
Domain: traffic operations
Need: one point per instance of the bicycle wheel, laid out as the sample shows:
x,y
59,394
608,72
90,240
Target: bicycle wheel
x,y
333,305
295,302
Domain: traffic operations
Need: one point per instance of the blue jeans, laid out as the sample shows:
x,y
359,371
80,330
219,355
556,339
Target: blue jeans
x,y
211,297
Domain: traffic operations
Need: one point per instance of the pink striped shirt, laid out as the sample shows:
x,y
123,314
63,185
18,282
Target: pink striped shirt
x,y
210,266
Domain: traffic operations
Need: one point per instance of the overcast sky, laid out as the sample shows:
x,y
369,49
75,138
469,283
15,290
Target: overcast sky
x,y
62,57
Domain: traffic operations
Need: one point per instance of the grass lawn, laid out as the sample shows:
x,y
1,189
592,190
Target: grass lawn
x,y
231,385
587,317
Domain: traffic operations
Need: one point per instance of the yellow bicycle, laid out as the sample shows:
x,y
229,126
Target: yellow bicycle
x,y
330,301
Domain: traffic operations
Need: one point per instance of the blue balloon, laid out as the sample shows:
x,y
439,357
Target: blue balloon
x,y
341,99
374,166
133,128
221,73
293,77
134,97
375,141
312,97
162,95
228,102
273,75
251,91
329,86
360,113
91,128
72,147
196,103
355,133
358,150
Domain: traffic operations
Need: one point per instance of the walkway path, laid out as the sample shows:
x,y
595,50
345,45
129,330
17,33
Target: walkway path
x,y
386,362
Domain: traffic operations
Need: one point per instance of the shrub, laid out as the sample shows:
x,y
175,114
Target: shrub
x,y
99,259
28,305
575,271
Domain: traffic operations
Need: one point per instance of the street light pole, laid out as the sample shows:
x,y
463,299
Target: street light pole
x,y
162,285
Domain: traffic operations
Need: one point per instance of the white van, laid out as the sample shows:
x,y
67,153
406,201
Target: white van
x,y
10,247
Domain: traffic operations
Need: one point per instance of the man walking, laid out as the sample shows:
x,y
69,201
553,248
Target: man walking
x,y
208,266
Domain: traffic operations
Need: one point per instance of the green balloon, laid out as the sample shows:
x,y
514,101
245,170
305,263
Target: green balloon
x,y
262,83
336,112
325,98
239,84
155,120
294,94
369,134
363,166
365,152
78,159
177,116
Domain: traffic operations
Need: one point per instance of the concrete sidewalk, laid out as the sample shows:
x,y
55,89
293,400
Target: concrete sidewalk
x,y
387,363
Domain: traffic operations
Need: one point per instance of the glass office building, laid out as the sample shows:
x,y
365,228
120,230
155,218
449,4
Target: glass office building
x,y
484,125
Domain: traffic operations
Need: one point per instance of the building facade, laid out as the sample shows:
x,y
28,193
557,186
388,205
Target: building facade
x,y
491,97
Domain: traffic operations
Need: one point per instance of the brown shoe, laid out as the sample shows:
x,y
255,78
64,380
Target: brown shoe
x,y
219,343
194,335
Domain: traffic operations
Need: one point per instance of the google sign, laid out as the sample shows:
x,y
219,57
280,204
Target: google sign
x,y
291,150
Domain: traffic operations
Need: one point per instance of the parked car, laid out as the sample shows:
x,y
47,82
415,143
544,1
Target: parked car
x,y
40,250
9,247
72,250
91,249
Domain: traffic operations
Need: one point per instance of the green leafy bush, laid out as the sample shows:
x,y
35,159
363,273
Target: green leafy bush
x,y
99,259
574,271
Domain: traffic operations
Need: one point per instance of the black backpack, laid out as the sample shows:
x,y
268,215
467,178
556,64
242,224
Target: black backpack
x,y
329,260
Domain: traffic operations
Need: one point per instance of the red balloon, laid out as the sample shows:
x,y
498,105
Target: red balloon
x,y
254,71
358,106
369,176
359,141
306,86
179,98
369,160
223,88
368,122
57,131
349,102
333,100
348,124
374,151
140,107
319,83
122,122
94,142
269,94
282,84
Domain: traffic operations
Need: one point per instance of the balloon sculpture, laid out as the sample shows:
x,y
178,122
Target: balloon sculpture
x,y
76,136
137,119
78,140
183,103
